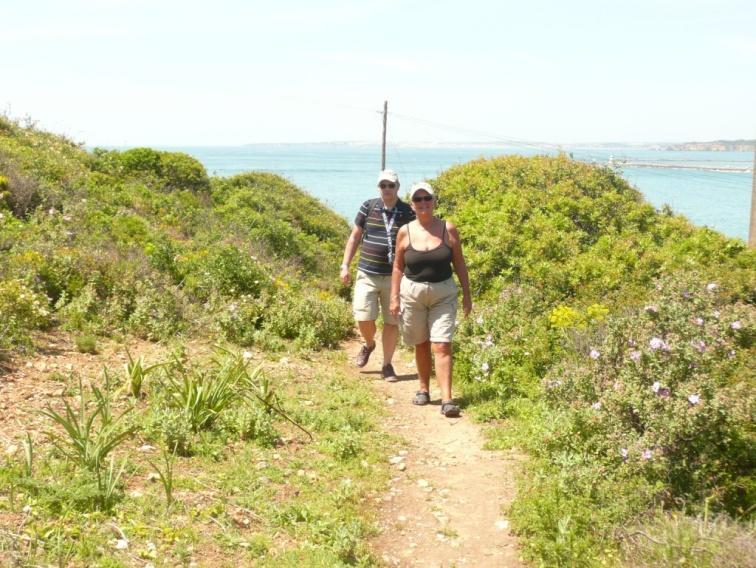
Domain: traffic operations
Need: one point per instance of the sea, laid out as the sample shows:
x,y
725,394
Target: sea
x,y
712,189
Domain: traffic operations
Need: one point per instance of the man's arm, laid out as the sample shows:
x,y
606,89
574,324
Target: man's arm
x,y
353,243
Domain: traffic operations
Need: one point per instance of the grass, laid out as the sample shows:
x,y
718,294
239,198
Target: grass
x,y
233,501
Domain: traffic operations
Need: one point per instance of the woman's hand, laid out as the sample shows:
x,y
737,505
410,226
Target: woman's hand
x,y
466,305
394,306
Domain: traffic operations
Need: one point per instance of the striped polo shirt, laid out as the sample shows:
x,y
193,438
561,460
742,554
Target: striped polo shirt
x,y
374,253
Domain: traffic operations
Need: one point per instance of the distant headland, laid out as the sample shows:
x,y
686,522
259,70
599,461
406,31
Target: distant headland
x,y
715,146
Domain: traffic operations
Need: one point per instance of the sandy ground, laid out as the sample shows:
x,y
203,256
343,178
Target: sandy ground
x,y
446,500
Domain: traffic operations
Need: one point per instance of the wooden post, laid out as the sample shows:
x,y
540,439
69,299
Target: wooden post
x,y
383,146
752,229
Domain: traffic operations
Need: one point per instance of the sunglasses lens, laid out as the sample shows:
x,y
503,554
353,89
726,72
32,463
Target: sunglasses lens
x,y
387,185
420,198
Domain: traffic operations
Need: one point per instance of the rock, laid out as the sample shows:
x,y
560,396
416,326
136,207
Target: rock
x,y
401,466
394,460
423,483
145,448
502,524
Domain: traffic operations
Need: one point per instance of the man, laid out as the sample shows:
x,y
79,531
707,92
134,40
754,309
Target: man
x,y
375,228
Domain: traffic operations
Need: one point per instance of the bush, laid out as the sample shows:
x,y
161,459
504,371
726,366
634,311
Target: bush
x,y
168,171
21,311
315,320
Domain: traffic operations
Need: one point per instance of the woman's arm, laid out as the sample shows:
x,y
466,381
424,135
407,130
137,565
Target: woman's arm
x,y
460,267
398,271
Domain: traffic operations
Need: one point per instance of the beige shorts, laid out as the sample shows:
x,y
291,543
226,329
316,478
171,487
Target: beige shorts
x,y
428,311
372,291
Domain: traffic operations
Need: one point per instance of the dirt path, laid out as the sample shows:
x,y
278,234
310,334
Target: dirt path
x,y
445,503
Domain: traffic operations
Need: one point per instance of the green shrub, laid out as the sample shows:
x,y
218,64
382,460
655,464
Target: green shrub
x,y
315,320
21,311
86,344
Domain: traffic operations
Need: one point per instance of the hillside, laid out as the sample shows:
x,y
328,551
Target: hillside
x,y
611,343
614,343
715,146
144,242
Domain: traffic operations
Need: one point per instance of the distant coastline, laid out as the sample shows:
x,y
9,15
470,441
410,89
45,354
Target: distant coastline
x,y
714,146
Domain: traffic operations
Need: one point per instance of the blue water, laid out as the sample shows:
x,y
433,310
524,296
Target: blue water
x,y
706,187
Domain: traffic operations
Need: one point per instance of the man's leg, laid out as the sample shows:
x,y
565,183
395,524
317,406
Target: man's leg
x,y
367,331
389,337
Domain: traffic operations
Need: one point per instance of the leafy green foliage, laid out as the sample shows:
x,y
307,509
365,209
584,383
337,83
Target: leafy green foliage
x,y
564,257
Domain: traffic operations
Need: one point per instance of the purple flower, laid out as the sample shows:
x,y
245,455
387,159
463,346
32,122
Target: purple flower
x,y
596,406
711,286
652,309
647,454
736,324
694,399
658,343
699,345
631,342
663,392
699,321
686,295
635,355
594,354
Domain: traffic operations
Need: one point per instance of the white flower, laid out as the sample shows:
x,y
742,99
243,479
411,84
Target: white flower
x,y
699,321
596,406
485,368
122,544
694,399
488,342
715,313
623,453
479,320
594,354
658,343
647,454
711,286
635,355
247,355
736,324
656,386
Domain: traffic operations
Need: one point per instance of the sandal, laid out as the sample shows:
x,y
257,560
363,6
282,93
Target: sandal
x,y
421,398
449,409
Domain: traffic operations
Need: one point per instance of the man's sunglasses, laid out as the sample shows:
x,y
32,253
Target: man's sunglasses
x,y
419,198
387,185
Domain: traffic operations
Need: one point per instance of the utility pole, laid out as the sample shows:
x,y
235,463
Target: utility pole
x,y
383,146
752,230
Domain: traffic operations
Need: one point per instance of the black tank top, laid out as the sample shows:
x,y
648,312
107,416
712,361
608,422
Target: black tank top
x,y
428,266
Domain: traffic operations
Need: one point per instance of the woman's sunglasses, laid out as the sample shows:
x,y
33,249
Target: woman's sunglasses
x,y
387,185
419,198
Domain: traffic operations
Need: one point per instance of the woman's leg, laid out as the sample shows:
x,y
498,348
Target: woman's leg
x,y
443,355
423,362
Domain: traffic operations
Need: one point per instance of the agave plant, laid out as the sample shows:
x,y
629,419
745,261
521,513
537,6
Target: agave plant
x,y
136,372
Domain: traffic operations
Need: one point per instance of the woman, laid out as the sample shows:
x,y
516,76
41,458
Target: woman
x,y
426,250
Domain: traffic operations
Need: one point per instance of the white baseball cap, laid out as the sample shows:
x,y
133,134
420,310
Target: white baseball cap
x,y
388,175
421,185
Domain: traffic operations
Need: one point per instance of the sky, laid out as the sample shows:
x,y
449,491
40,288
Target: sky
x,y
137,72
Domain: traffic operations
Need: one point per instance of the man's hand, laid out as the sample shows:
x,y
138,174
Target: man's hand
x,y
344,274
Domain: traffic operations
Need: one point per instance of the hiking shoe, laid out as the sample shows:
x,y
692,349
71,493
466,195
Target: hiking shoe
x,y
421,398
449,409
388,374
362,357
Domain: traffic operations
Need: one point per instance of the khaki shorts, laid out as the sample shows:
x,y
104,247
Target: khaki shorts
x,y
372,291
429,311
